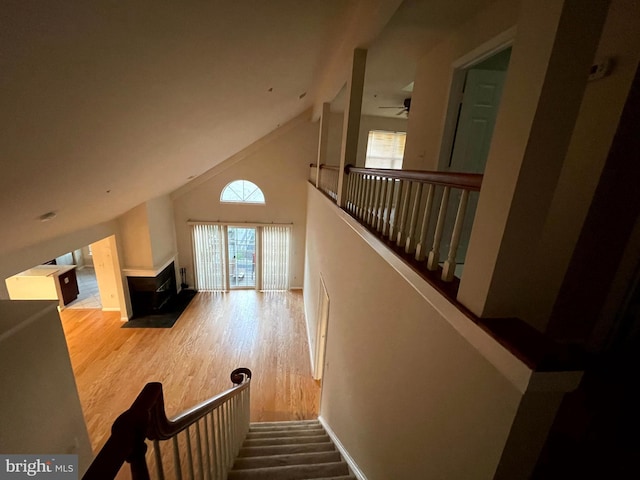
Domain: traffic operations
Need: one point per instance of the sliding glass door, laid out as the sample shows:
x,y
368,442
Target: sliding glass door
x,y
242,257
235,257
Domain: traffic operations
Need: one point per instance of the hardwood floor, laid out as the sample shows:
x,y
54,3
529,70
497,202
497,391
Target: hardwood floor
x,y
265,332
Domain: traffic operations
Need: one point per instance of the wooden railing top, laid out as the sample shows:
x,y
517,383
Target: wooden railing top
x,y
467,181
146,418
162,428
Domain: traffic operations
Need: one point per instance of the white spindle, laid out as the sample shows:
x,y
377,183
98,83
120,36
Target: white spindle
x,y
381,203
386,221
219,446
421,248
434,254
158,456
414,219
368,199
189,453
359,196
176,457
449,268
395,207
403,213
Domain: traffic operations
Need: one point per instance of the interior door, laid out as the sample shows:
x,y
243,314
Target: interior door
x,y
321,334
480,102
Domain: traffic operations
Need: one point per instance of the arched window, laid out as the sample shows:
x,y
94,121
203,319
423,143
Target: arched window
x,y
242,191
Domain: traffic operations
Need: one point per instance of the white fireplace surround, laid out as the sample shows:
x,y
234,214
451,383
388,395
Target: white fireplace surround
x,y
150,272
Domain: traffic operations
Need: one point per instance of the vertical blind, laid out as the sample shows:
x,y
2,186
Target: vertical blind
x,y
385,149
275,257
208,254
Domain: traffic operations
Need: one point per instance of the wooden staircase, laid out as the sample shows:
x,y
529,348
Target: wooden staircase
x,y
289,451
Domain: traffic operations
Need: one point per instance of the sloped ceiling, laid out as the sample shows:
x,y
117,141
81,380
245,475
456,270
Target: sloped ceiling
x,y
107,104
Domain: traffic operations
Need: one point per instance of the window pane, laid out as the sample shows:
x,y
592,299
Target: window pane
x,y
242,191
385,149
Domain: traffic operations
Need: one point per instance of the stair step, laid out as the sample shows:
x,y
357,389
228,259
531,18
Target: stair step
x,y
287,423
309,432
243,463
341,477
292,472
260,442
283,449
257,427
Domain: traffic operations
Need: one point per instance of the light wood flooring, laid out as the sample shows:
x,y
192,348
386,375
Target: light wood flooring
x,y
265,332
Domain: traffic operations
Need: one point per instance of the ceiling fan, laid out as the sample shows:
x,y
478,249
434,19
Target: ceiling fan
x,y
405,107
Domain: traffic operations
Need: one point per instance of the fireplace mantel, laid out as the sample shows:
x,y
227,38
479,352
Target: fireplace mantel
x,y
149,272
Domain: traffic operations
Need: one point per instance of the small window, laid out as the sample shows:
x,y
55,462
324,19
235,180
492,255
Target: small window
x,y
385,149
242,191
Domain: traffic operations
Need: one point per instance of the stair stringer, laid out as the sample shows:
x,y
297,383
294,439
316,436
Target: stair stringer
x,y
353,466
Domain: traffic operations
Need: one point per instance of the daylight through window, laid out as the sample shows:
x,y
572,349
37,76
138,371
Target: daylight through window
x,y
242,191
385,149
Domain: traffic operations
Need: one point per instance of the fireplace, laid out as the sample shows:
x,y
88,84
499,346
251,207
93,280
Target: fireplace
x,y
151,295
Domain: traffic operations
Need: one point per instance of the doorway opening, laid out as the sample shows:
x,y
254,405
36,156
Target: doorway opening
x,y
241,248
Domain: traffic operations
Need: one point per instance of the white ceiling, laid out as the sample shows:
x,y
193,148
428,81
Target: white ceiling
x,y
104,105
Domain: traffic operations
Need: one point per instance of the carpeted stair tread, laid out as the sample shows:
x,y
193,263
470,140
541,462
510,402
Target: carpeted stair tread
x,y
283,449
310,432
292,472
286,423
260,442
243,463
341,477
284,428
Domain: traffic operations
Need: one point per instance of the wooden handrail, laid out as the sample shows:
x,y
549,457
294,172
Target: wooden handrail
x,y
162,428
146,419
467,181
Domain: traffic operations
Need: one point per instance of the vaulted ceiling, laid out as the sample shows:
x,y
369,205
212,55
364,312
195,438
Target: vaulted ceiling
x,y
105,104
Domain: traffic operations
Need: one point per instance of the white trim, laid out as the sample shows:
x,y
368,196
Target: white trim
x,y
110,309
355,469
458,73
514,369
487,49
306,321
149,272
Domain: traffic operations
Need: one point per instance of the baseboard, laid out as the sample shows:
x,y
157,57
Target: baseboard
x,y
110,309
343,451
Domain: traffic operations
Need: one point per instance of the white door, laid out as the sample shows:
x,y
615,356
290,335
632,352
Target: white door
x,y
321,333
480,102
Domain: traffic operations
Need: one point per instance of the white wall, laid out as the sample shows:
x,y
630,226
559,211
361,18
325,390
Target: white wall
x,y
41,412
161,229
279,165
136,238
590,142
109,276
433,78
405,393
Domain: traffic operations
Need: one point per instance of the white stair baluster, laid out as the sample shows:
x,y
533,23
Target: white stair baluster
x,y
421,248
434,254
449,269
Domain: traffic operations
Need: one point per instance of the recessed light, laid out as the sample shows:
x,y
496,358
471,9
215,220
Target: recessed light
x,y
45,217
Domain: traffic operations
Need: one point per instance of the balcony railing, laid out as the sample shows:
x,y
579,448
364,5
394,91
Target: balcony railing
x,y
424,216
325,177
